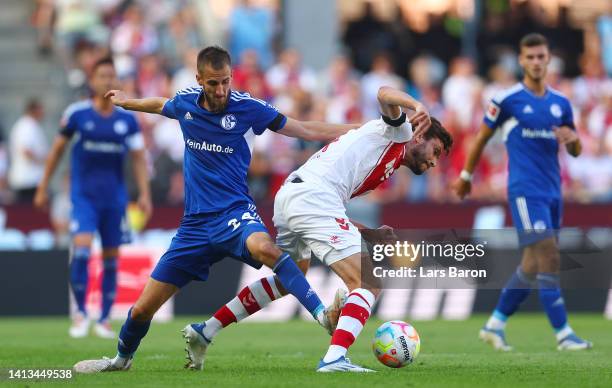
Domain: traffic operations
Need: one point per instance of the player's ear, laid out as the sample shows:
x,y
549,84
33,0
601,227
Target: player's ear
x,y
199,79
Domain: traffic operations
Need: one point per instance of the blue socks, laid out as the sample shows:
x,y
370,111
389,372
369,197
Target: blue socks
x,y
551,299
296,284
78,276
130,335
109,286
516,291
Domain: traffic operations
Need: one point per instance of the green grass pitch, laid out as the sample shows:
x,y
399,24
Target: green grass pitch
x,y
285,354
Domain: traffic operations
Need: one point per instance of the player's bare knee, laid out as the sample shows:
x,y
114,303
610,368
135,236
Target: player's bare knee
x,y
82,240
141,312
548,256
267,252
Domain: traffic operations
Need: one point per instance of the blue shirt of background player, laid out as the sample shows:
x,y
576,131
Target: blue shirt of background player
x,y
218,147
98,154
527,123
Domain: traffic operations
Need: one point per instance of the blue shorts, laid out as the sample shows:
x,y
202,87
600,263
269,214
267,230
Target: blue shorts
x,y
204,239
535,219
110,222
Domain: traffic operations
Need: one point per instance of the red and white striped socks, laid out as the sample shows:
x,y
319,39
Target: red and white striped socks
x,y
353,317
249,300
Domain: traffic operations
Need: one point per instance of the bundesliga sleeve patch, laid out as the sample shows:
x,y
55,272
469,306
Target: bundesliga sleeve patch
x,y
493,111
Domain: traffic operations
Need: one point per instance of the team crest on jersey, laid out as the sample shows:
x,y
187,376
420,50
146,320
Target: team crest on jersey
x,y
228,121
120,127
555,110
89,126
492,111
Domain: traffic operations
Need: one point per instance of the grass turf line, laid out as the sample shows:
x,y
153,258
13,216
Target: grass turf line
x,y
286,354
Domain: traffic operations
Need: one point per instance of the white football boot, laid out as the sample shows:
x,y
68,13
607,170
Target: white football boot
x,y
495,338
103,365
573,342
196,345
104,330
342,364
80,326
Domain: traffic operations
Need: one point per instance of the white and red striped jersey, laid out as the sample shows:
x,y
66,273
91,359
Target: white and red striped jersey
x,y
358,161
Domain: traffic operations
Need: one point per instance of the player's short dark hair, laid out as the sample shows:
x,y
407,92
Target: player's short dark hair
x,y
101,62
437,130
32,104
216,56
533,39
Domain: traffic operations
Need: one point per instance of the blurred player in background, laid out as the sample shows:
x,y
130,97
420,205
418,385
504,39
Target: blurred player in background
x,y
310,215
535,120
103,135
220,218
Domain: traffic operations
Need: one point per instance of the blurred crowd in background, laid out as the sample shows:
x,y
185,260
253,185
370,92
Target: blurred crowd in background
x,y
154,44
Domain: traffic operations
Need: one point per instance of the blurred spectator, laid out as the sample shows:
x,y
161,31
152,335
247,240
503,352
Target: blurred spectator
x,y
252,28
587,87
178,37
381,74
591,174
437,40
79,20
604,27
426,74
248,76
289,74
501,79
132,39
42,19
338,79
4,188
460,91
185,76
167,182
599,121
346,107
367,36
152,79
155,44
28,152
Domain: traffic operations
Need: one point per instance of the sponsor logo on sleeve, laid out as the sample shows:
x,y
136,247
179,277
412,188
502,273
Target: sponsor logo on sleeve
x,y
493,111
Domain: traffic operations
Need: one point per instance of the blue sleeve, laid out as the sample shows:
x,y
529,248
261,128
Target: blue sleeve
x,y
495,114
68,124
267,117
568,116
134,126
170,110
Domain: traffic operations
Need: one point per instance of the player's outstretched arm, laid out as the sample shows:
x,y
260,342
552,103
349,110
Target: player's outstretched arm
x,y
463,185
41,198
147,105
392,100
315,130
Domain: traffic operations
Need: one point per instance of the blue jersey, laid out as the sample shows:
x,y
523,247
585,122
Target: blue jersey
x,y
98,152
218,147
527,122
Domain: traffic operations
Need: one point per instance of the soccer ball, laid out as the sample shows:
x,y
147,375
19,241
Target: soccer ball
x,y
396,344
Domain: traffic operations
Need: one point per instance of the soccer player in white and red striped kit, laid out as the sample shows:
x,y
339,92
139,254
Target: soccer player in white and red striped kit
x,y
309,214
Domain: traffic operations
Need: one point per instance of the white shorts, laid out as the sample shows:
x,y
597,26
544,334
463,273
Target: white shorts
x,y
310,220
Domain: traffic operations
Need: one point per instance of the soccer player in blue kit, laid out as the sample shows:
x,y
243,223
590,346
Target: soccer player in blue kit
x,y
535,120
103,134
220,217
